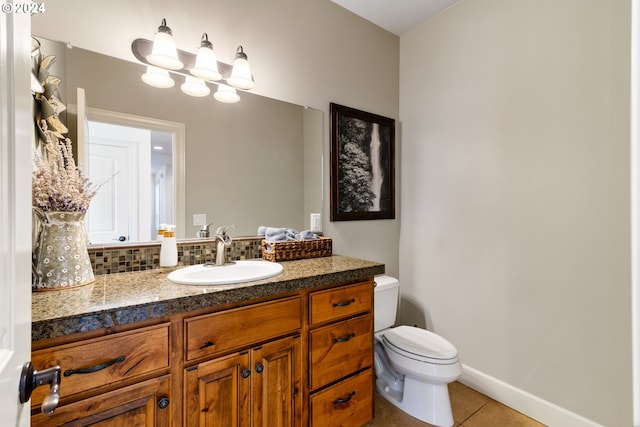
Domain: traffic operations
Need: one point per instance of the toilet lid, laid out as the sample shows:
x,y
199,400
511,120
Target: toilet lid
x,y
421,343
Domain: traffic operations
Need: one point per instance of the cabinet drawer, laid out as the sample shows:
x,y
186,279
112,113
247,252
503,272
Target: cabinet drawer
x,y
348,403
135,405
340,349
218,332
90,364
340,302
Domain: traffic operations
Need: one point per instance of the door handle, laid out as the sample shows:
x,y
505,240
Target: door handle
x,y
30,379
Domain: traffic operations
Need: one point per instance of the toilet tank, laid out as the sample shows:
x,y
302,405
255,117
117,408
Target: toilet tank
x,y
385,301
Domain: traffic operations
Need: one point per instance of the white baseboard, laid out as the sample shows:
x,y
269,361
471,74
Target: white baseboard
x,y
532,406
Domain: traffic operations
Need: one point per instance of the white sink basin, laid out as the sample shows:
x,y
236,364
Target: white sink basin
x,y
239,271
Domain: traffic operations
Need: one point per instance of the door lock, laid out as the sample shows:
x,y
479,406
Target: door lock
x,y
30,379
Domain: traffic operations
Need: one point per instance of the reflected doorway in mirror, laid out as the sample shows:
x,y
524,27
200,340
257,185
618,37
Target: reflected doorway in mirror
x,y
144,155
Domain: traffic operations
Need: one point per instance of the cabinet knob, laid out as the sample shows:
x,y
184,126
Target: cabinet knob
x,y
163,403
259,368
245,373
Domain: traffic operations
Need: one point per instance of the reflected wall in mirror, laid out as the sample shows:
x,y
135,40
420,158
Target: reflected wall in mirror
x,y
257,162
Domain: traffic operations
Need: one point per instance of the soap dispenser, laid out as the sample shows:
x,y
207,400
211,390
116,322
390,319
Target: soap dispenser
x,y
169,248
161,229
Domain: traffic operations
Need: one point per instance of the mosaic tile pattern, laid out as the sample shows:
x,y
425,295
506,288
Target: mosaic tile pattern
x,y
146,256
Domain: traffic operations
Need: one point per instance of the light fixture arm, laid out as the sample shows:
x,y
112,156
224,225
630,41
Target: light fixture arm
x,y
240,53
163,28
204,41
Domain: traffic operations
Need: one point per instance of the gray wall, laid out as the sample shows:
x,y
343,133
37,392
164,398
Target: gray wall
x,y
516,198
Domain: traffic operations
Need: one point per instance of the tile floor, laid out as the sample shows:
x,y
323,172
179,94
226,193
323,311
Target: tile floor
x,y
470,409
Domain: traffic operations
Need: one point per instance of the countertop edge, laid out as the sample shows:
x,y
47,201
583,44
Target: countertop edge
x,y
122,315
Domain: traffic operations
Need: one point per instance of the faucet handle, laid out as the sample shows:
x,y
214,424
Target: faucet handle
x,y
222,231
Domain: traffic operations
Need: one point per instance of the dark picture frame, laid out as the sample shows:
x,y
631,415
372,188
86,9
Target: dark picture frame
x,y
362,165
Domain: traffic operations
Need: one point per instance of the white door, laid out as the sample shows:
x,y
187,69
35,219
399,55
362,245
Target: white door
x,y
108,215
117,154
16,140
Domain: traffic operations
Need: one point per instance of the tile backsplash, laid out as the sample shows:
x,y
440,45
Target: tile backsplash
x,y
146,256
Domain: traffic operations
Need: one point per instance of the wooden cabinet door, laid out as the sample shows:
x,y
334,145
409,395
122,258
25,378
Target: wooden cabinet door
x,y
277,382
217,393
145,404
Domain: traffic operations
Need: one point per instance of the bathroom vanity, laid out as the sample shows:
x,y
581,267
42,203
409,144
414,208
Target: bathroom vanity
x,y
136,349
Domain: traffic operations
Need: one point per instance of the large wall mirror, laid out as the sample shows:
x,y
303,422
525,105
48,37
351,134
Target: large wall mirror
x,y
257,162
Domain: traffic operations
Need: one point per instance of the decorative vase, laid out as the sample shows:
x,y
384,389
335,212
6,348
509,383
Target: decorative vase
x,y
60,257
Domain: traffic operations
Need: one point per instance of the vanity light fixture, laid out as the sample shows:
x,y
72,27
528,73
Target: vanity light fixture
x,y
206,66
198,70
241,74
195,87
164,53
226,94
157,77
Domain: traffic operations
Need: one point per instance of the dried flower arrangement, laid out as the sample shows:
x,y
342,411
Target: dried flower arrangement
x,y
58,184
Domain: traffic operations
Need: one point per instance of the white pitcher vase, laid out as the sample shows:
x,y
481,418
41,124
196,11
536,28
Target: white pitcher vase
x,y
60,257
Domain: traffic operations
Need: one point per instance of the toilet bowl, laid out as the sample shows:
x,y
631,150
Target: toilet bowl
x,y
413,366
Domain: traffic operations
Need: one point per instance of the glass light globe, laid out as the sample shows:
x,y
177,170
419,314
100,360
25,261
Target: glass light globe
x,y
206,66
157,77
241,73
164,53
195,87
226,94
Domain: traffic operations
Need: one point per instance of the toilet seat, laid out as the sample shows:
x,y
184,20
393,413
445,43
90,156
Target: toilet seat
x,y
420,344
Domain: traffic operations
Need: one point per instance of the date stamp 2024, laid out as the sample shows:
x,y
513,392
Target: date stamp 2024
x,y
30,8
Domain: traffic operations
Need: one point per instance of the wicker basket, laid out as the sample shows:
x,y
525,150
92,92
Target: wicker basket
x,y
298,249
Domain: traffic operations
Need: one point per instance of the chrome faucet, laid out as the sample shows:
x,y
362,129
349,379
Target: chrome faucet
x,y
203,233
223,240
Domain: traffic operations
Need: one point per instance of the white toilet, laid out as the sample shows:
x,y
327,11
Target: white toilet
x,y
413,366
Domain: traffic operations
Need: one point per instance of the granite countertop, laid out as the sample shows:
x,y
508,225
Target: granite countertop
x,y
122,298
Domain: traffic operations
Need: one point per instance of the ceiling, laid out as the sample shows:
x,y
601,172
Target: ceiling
x,y
396,16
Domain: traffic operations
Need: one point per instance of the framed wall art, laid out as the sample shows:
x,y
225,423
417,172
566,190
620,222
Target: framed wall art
x,y
362,165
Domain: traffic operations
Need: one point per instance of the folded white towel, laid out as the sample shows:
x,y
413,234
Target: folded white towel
x,y
308,235
274,234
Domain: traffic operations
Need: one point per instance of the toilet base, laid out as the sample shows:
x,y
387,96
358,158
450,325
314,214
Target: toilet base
x,y
428,402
